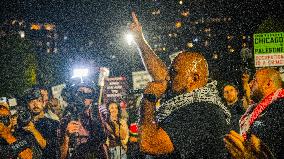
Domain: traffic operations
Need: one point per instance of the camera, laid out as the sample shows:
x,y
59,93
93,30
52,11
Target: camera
x,y
5,120
24,117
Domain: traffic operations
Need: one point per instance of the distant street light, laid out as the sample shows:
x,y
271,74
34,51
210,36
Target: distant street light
x,y
129,38
22,34
80,73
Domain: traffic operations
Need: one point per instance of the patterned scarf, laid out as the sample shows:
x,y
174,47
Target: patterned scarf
x,y
254,111
208,93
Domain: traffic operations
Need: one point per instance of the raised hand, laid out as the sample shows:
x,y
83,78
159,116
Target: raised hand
x,y
30,127
157,88
136,27
245,77
73,127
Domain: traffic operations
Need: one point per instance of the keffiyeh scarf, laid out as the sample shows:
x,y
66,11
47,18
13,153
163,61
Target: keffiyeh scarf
x,y
208,93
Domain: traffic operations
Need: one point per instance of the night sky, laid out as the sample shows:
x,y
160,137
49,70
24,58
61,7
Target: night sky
x,y
103,23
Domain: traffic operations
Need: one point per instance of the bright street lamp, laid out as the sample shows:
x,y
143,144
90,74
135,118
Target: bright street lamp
x,y
129,38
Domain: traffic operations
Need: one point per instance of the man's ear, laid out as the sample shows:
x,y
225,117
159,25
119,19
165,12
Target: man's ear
x,y
196,77
268,84
193,81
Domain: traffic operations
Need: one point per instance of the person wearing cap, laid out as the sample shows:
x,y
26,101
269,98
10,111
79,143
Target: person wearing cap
x,y
42,128
10,146
81,130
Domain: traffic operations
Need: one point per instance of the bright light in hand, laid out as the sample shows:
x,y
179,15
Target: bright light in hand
x,y
129,38
80,73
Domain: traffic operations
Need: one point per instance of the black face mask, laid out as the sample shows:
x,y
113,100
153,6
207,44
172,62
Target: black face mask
x,y
5,120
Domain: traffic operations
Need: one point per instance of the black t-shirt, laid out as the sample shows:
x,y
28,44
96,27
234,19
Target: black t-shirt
x,y
48,129
5,150
236,113
11,151
197,130
269,127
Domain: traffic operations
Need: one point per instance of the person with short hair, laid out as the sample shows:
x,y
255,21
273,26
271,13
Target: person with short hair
x,y
42,128
262,125
233,103
48,105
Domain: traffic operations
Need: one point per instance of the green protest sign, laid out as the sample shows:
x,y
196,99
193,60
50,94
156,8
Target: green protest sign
x,y
269,49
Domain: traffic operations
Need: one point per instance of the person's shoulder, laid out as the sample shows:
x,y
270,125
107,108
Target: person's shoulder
x,y
278,103
206,106
49,122
123,121
276,107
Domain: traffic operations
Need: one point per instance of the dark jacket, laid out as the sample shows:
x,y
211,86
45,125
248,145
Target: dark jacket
x,y
236,113
48,129
197,130
269,127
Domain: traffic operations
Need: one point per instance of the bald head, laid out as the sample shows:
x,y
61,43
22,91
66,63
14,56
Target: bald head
x,y
271,74
189,71
265,82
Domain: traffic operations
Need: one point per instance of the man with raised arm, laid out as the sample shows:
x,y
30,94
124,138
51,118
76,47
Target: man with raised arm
x,y
191,121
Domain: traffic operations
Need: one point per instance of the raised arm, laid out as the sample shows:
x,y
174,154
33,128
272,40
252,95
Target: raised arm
x,y
154,65
153,139
246,88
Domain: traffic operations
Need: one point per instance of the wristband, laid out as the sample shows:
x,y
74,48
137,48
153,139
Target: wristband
x,y
150,97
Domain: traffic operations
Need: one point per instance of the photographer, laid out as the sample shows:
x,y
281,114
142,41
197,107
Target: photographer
x,y
10,146
81,129
43,129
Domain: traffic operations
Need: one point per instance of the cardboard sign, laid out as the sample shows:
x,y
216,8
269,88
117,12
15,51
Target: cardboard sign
x,y
115,89
140,79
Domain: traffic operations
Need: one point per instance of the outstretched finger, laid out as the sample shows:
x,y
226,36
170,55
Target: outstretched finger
x,y
134,18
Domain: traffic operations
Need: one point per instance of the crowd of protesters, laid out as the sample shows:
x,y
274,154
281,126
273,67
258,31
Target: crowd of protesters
x,y
182,115
42,128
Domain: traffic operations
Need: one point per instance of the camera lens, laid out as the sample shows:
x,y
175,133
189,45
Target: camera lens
x,y
24,117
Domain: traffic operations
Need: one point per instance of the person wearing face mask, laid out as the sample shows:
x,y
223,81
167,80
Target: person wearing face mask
x,y
81,130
